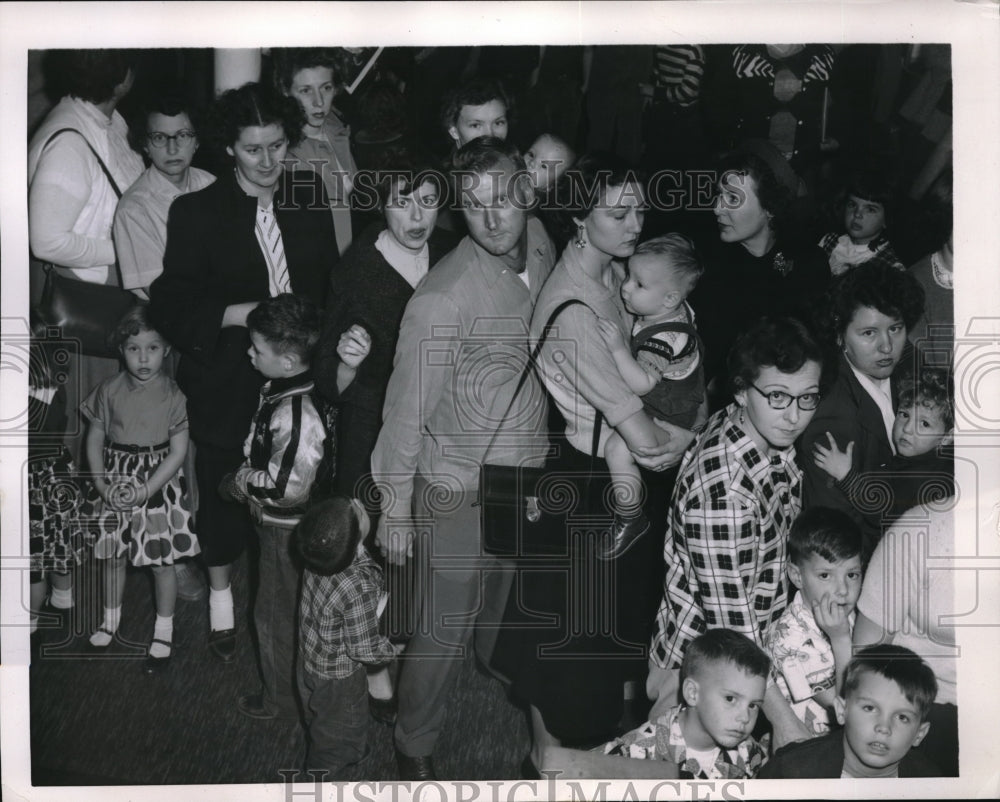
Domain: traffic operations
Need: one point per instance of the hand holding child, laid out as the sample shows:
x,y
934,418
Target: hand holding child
x,y
395,540
835,462
611,334
354,346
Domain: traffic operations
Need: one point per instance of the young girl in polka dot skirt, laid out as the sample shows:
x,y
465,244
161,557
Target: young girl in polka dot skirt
x,y
138,434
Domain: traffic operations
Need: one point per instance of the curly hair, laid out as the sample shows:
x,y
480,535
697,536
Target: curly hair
x,y
253,104
90,75
582,187
287,61
774,192
894,293
931,388
784,343
134,321
475,93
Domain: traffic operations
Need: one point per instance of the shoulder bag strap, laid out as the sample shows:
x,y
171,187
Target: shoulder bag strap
x,y
529,366
104,168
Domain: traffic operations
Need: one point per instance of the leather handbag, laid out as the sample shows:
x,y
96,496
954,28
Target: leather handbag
x,y
84,312
527,511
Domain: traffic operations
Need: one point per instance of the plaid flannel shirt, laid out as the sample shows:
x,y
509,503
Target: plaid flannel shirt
x,y
664,740
338,620
725,547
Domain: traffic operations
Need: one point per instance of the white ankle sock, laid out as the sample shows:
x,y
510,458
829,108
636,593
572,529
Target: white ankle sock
x,y
61,599
162,630
112,617
220,609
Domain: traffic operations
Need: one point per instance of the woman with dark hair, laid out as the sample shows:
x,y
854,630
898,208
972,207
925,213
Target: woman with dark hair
x,y
737,494
754,268
368,293
251,235
870,310
71,199
574,682
313,77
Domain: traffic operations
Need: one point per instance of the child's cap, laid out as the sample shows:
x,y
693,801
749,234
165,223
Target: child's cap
x,y
724,645
328,535
914,677
830,533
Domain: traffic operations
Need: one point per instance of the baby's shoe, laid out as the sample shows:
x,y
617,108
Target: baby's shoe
x,y
622,536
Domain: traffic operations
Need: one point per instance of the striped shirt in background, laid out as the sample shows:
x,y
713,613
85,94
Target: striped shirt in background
x,y
677,73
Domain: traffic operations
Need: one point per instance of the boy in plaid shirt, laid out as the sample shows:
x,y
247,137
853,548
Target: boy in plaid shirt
x,y
342,597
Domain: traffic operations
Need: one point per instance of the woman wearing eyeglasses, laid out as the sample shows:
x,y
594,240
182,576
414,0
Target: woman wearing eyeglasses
x,y
738,492
169,139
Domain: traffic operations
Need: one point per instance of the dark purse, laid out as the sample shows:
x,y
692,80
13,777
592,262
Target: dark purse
x,y
527,511
84,312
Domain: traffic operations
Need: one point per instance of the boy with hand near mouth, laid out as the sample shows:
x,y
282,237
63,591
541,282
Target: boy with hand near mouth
x,y
723,678
888,692
811,643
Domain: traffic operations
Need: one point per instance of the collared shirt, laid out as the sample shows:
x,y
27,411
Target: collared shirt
x,y
137,413
732,510
803,662
575,363
287,451
338,620
268,234
141,223
71,204
880,391
411,266
462,348
664,740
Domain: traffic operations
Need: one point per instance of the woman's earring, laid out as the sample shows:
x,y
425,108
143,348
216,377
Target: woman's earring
x,y
581,241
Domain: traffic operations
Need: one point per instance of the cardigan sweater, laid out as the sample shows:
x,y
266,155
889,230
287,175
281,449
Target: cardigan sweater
x,y
213,260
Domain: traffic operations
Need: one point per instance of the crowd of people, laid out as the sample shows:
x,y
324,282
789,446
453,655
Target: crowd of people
x,y
324,352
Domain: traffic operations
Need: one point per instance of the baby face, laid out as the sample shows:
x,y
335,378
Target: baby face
x,y
918,428
546,160
817,578
723,702
651,287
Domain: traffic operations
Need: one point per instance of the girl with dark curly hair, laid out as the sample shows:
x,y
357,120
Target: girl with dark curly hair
x,y
253,234
870,310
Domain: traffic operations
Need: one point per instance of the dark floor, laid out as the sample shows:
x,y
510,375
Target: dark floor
x,y
97,719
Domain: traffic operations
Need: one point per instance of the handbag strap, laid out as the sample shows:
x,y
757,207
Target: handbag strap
x,y
530,364
107,174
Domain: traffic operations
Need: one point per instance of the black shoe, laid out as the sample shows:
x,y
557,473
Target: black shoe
x,y
415,769
624,534
222,642
252,706
383,710
155,665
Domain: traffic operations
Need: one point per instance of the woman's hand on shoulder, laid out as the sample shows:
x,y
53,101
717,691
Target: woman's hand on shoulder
x,y
672,446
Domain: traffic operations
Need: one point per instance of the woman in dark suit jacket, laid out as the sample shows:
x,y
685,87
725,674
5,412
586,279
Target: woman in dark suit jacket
x,y
871,308
215,272
370,289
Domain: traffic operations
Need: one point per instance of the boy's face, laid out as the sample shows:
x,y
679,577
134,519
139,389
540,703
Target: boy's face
x,y
918,428
880,724
489,119
266,360
651,286
724,701
864,219
546,160
816,577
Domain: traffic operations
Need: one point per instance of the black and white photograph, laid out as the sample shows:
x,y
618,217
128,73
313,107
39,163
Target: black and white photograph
x,y
496,401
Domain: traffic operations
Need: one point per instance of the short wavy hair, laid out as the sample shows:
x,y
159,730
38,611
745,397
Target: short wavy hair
x,y
253,104
579,190
286,61
407,170
169,103
474,93
90,75
914,678
931,388
775,195
479,157
893,292
134,321
785,343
